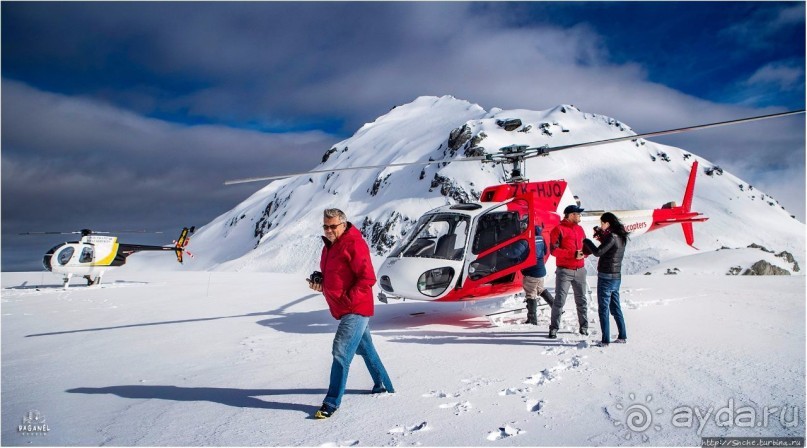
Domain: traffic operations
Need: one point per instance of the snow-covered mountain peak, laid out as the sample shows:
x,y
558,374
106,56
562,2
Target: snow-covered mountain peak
x,y
278,228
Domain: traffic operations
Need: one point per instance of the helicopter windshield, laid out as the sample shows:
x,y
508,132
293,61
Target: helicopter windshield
x,y
442,235
65,255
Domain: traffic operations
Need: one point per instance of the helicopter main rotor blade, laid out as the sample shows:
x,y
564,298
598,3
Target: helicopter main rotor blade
x,y
542,151
529,152
93,232
367,167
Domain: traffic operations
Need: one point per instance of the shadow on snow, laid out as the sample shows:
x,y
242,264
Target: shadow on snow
x,y
239,398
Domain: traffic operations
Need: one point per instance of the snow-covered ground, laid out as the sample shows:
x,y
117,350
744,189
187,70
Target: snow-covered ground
x,y
225,358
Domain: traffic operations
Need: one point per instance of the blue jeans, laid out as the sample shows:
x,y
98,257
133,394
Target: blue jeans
x,y
353,337
608,300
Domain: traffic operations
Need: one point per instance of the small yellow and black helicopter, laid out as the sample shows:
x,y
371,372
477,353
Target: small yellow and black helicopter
x,y
94,253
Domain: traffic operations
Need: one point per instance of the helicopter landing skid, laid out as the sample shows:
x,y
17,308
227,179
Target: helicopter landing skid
x,y
497,319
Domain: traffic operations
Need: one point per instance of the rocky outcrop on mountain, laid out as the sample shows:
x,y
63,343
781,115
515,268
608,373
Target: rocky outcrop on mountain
x,y
762,248
377,185
382,235
453,190
509,124
459,137
790,259
762,267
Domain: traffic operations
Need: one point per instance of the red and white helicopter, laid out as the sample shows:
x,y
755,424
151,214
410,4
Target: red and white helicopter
x,y
465,251
468,251
94,254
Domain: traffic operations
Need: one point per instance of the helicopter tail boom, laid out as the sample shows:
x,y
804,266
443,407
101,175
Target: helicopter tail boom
x,y
178,246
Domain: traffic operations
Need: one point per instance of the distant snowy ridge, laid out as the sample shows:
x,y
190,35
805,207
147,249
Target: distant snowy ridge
x,y
278,228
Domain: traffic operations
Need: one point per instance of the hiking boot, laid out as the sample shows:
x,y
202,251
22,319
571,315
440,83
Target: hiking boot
x,y
532,306
621,341
326,411
380,390
547,296
584,331
602,344
553,334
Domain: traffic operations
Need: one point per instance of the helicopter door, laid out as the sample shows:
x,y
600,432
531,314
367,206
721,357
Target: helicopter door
x,y
503,242
86,255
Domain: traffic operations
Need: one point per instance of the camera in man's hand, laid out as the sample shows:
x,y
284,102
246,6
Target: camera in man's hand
x,y
315,278
598,233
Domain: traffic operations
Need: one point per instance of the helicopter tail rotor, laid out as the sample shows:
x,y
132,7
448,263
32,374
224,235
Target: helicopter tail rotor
x,y
182,242
671,213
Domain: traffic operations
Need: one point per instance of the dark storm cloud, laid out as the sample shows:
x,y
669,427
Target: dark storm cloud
x,y
70,163
141,109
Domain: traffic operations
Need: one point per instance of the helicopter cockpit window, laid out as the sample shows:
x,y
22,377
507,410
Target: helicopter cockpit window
x,y
496,227
502,224
65,255
438,236
86,255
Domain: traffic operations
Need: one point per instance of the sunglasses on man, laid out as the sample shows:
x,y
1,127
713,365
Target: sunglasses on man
x,y
331,227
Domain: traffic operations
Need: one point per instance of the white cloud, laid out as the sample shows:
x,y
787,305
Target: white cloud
x,y
784,74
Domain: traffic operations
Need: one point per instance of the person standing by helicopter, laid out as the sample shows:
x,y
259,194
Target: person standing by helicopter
x,y
566,244
533,282
346,280
613,237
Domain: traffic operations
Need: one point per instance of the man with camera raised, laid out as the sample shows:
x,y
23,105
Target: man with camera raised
x,y
566,244
347,280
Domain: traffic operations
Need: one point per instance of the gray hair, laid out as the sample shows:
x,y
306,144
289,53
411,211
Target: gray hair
x,y
335,213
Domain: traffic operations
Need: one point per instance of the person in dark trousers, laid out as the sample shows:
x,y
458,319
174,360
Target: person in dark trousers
x,y
566,244
346,281
533,281
613,237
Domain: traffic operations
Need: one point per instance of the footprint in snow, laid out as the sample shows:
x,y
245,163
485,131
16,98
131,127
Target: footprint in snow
x,y
554,351
552,374
458,408
407,430
473,384
515,391
535,406
438,394
545,376
504,432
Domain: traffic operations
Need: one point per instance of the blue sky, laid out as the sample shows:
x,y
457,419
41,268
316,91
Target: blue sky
x,y
130,115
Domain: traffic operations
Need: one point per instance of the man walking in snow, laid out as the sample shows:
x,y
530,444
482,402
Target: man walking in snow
x,y
566,244
347,281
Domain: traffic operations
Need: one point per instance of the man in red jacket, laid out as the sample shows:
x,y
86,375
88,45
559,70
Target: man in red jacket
x,y
347,283
566,244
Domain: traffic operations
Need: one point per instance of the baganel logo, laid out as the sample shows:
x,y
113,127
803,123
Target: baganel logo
x,y
33,424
